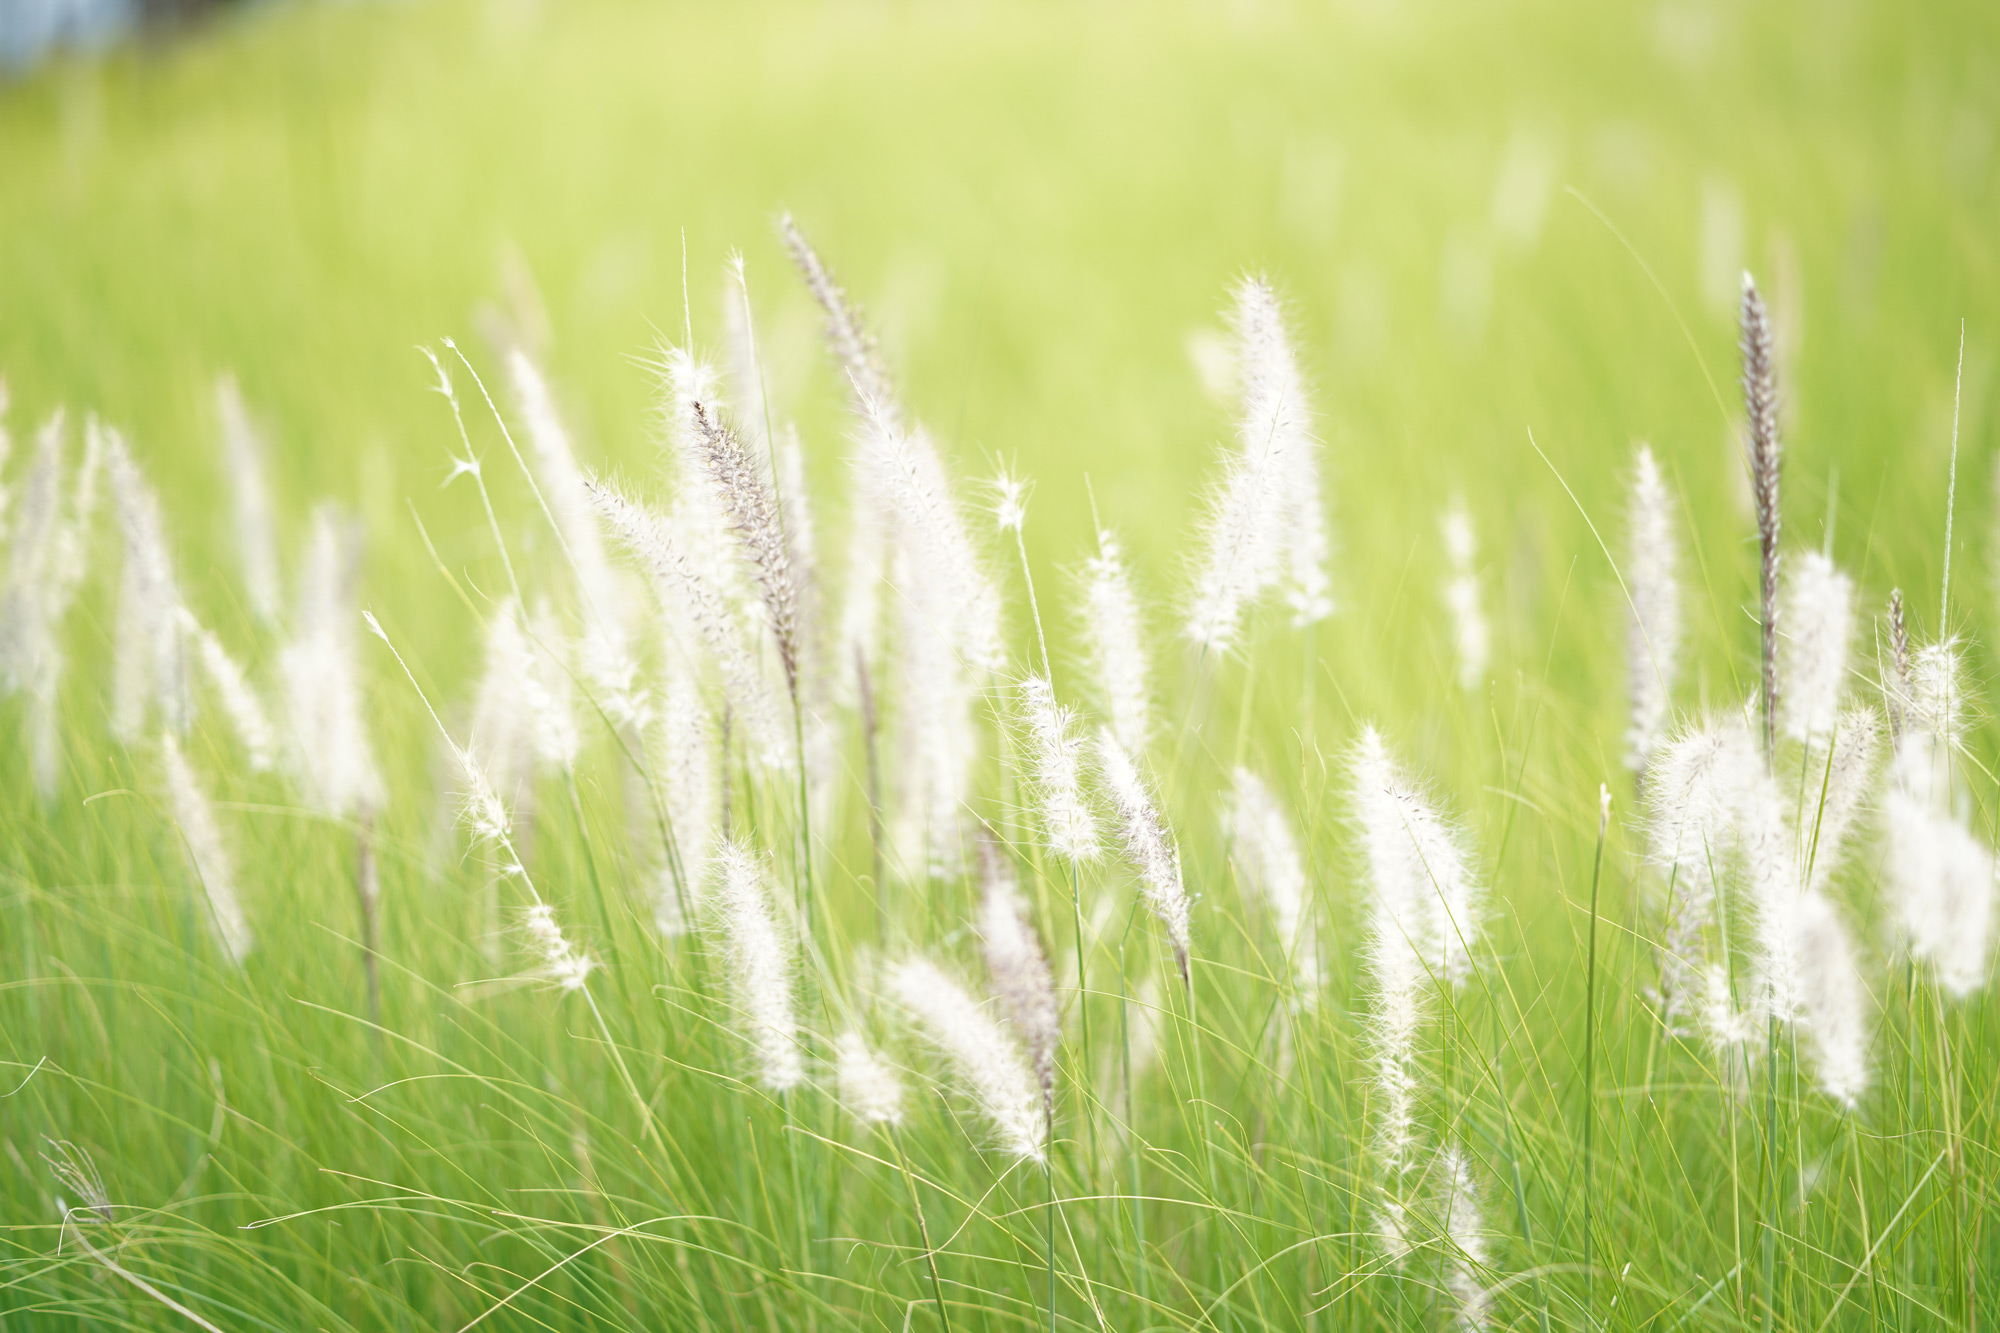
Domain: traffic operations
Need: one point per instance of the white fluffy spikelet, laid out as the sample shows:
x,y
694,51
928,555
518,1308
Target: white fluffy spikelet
x,y
760,965
1470,1257
1840,777
1149,845
245,711
685,758
1652,579
1020,970
320,679
1419,869
1057,753
682,570
147,668
1940,876
1266,854
206,849
1832,998
559,962
37,515
1694,788
1266,522
1116,635
1819,639
1471,636
250,492
981,1052
604,650
869,1087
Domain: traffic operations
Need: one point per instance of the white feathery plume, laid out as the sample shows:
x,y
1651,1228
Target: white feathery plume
x,y
1020,971
846,332
980,1050
1057,753
498,735
1149,845
743,498
1940,876
480,807
1471,1250
1694,788
1840,775
759,964
37,514
869,1087
562,963
245,711
147,669
319,676
689,597
1832,998
684,756
206,850
1116,636
1419,869
1652,580
1266,522
1472,638
1266,854
929,525
249,490
550,694
604,650
1813,655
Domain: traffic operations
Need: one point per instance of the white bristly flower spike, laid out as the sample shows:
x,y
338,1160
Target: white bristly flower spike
x,y
1020,971
1116,635
240,702
1010,503
604,652
1057,755
683,751
206,850
869,1088
1472,638
980,1050
147,668
1815,647
256,534
1940,876
1266,855
1266,523
562,964
1652,579
1832,998
320,679
760,965
1470,1255
1149,845
1419,867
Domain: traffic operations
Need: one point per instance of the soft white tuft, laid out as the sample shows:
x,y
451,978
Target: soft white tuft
x,y
207,852
1116,636
869,1087
239,699
1056,752
1149,845
1266,854
1471,636
1020,970
1813,655
319,676
243,456
759,965
561,963
980,1050
1653,638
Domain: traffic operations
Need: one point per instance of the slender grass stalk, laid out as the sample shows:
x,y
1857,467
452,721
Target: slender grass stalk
x,y
1590,1062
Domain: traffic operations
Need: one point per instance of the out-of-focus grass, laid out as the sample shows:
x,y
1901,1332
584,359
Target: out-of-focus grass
x,y
1043,206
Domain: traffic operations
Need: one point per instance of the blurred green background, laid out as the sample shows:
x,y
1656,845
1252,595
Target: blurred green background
x,y
1042,206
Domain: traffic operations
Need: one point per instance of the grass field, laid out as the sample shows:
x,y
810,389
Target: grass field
x,y
1508,244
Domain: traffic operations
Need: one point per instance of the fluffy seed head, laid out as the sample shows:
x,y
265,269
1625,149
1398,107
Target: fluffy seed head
x,y
1760,406
147,670
206,851
1019,969
760,965
319,676
980,1051
1472,637
1423,893
1149,845
1116,636
1653,581
1832,999
869,1087
1813,656
1470,1256
561,963
239,700
256,531
1940,876
1266,855
1057,753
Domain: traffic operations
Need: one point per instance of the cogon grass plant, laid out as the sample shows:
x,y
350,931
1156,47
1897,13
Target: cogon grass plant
x,y
880,969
